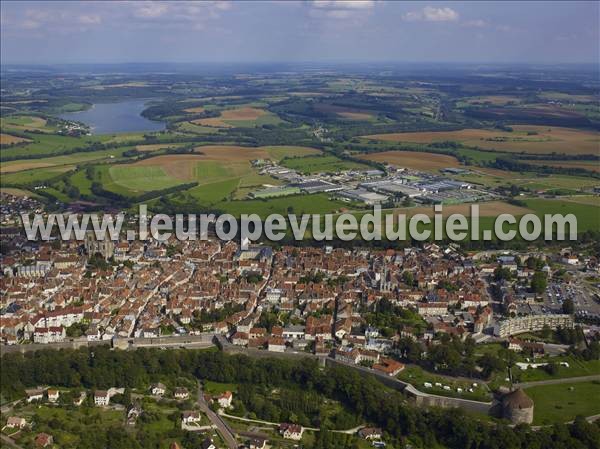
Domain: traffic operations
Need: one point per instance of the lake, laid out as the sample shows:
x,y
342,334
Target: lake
x,y
120,117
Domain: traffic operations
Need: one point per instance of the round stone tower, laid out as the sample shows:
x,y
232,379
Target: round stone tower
x,y
517,407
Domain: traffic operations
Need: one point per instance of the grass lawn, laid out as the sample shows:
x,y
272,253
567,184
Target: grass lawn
x,y
576,368
217,387
418,376
562,402
66,426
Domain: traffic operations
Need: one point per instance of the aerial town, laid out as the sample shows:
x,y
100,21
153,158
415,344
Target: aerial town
x,y
383,311
299,224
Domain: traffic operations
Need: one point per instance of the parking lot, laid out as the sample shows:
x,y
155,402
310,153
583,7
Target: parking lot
x,y
579,291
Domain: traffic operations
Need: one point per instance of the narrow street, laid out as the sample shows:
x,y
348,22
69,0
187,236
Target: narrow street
x,y
225,431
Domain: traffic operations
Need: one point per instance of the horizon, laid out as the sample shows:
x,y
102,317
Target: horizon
x,y
50,33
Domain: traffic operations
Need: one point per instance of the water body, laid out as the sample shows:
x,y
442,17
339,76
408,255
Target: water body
x,y
120,117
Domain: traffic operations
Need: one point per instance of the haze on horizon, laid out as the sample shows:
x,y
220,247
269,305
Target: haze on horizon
x,y
319,31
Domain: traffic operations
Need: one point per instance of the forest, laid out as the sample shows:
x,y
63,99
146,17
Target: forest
x,y
365,398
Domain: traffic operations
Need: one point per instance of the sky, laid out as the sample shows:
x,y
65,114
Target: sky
x,y
50,32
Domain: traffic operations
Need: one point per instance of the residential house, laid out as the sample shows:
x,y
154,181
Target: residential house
x,y
190,417
158,389
181,393
34,395
370,433
389,366
16,422
53,395
43,440
291,431
224,400
101,397
276,344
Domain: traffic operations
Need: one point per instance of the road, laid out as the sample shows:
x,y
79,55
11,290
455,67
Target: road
x,y
221,425
10,442
276,424
566,380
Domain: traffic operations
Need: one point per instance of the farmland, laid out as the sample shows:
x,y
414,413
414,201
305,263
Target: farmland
x,y
218,169
414,160
24,123
34,176
587,215
316,164
344,112
216,143
487,209
7,139
239,117
523,138
75,158
141,178
586,165
48,145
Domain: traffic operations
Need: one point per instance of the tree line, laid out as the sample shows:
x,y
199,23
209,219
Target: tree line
x,y
366,398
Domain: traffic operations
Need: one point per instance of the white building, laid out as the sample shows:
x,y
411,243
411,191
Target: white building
x,y
225,399
101,397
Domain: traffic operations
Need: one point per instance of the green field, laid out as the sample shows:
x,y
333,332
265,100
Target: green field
x,y
562,402
24,122
576,368
142,178
36,176
68,427
80,180
210,194
189,127
478,155
218,387
69,159
526,180
267,119
207,172
418,376
315,204
321,164
279,152
50,144
588,216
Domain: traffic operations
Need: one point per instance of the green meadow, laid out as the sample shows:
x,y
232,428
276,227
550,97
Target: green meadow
x,y
142,178
324,164
563,402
